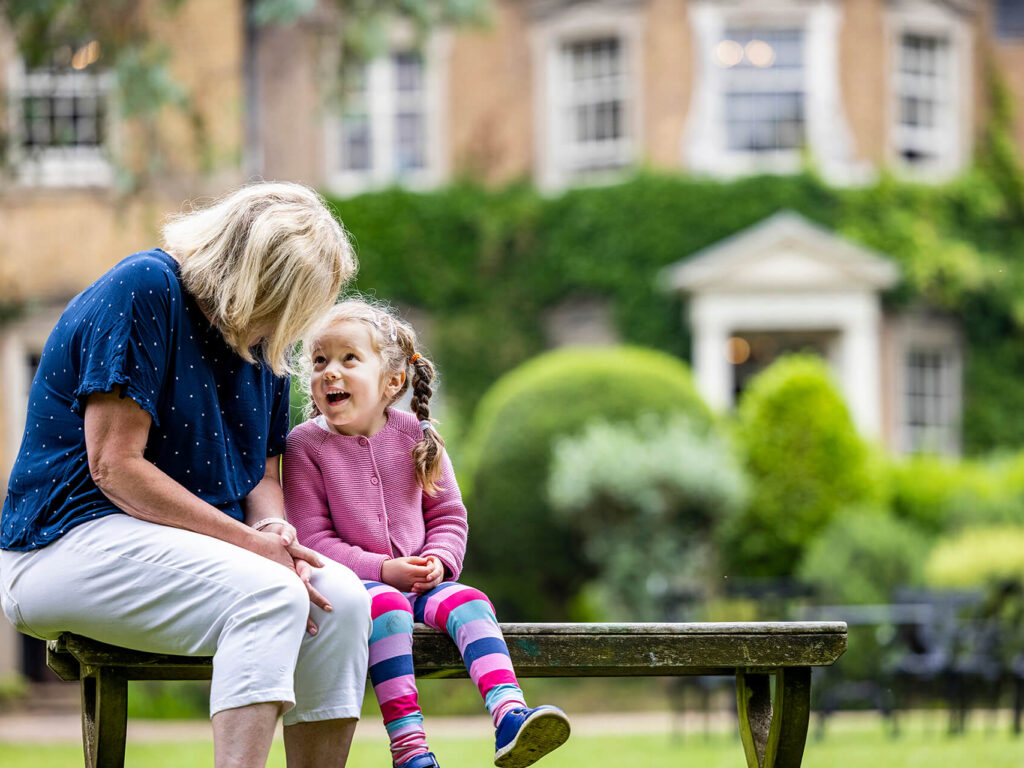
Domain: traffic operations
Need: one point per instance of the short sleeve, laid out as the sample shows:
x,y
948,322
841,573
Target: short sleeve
x,y
125,338
276,438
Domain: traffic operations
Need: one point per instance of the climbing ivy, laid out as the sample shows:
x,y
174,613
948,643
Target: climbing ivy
x,y
486,264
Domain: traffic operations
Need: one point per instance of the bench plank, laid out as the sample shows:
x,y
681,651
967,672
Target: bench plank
x,y
773,728
561,650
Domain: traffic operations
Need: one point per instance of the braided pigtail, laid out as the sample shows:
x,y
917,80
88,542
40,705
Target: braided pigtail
x,y
426,454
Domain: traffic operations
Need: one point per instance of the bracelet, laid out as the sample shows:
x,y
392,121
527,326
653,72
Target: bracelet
x,y
259,525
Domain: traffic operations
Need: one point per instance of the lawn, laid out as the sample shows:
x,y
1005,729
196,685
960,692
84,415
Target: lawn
x,y
862,744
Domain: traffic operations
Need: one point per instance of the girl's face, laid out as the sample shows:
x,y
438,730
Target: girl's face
x,y
348,384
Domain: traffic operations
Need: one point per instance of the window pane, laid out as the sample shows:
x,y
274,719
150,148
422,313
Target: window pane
x,y
1009,18
923,92
62,108
357,149
928,403
763,90
409,143
595,104
408,72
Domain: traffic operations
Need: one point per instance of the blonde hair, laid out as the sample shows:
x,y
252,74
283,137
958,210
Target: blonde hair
x,y
394,341
266,256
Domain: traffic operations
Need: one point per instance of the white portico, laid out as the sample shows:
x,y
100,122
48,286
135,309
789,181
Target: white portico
x,y
793,285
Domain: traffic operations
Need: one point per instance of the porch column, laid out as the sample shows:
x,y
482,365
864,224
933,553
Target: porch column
x,y
711,369
859,371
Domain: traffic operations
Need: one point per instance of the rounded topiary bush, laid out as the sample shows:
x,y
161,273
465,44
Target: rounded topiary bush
x,y
521,553
805,460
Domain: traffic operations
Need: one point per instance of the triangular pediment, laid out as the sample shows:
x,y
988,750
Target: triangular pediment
x,y
783,253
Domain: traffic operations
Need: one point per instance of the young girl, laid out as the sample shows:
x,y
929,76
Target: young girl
x,y
373,489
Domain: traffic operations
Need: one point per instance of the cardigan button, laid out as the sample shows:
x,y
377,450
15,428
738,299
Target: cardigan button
x,y
374,480
362,441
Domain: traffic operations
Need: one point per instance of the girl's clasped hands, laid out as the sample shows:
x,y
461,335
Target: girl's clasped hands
x,y
413,574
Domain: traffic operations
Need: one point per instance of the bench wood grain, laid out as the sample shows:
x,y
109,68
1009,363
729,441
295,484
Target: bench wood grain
x,y
773,725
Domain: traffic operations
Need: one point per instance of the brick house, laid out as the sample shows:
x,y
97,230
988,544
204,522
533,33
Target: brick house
x,y
562,92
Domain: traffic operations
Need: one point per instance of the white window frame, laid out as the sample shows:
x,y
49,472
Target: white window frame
x,y
59,166
381,105
917,332
754,81
941,432
704,147
554,30
953,142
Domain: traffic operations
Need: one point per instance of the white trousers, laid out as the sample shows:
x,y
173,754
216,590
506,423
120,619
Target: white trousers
x,y
124,581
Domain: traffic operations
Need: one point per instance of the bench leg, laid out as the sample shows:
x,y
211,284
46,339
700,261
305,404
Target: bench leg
x,y
104,717
774,732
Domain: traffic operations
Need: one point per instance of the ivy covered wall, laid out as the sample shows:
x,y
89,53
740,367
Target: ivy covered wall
x,y
485,264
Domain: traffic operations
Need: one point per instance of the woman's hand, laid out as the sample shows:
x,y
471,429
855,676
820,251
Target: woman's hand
x,y
285,530
434,577
305,572
299,559
273,546
403,573
298,552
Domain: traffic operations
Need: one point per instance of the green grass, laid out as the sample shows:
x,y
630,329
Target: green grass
x,y
861,744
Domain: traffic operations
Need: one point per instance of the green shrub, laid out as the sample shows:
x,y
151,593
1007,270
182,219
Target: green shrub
x,y
977,557
940,494
929,491
520,552
805,461
863,555
644,497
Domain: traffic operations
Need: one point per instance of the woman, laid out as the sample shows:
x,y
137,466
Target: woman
x,y
144,508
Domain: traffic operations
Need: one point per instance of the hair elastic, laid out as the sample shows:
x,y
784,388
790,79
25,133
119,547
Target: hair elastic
x,y
426,424
415,356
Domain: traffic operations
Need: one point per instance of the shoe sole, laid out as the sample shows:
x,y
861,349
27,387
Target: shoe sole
x,y
540,734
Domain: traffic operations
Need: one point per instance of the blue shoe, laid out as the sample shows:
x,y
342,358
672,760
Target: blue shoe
x,y
524,736
426,760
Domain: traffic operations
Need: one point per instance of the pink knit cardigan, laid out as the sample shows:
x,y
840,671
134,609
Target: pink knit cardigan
x,y
356,499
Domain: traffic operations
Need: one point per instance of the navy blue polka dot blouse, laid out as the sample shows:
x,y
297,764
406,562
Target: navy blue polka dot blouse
x,y
216,418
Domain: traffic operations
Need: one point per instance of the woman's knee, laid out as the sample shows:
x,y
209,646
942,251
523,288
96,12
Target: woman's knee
x,y
349,600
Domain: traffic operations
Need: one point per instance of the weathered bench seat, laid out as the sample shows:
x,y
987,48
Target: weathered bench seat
x,y
773,725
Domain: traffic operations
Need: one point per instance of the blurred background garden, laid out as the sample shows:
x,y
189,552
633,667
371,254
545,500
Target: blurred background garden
x,y
727,300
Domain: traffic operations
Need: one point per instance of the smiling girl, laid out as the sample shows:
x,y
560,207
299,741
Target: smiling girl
x,y
372,488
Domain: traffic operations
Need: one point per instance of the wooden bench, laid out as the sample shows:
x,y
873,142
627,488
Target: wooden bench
x,y
773,725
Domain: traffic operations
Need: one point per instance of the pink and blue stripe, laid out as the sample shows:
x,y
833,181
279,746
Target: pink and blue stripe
x,y
464,614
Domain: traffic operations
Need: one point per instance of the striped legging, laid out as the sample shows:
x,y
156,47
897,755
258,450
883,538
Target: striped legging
x,y
465,615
